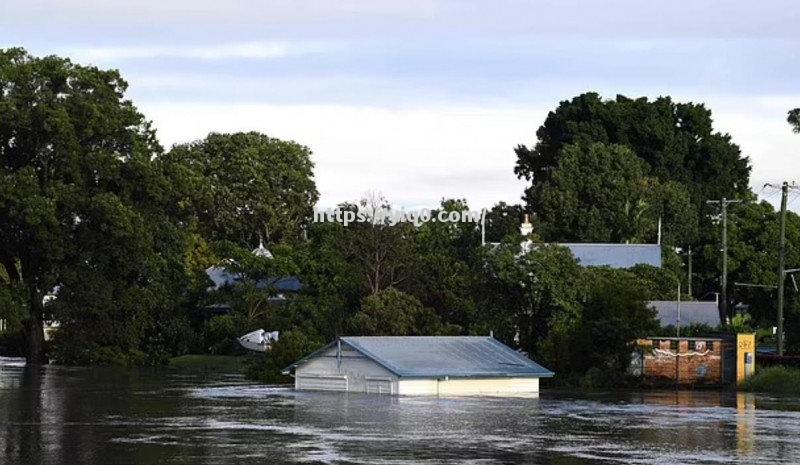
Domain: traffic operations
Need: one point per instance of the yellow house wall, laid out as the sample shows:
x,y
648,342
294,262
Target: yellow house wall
x,y
469,386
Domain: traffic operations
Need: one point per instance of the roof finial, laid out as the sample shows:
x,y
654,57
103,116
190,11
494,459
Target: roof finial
x,y
527,227
261,251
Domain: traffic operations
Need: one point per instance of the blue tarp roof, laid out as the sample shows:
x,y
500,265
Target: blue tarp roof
x,y
616,255
437,356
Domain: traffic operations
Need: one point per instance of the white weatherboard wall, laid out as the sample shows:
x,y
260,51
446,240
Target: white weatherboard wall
x,y
351,372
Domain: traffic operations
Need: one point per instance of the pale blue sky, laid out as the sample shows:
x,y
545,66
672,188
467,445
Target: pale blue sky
x,y
423,99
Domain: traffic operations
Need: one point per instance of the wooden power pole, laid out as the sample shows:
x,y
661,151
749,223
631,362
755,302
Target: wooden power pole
x,y
784,187
723,304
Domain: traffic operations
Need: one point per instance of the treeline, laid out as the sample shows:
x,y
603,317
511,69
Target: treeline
x,y
108,233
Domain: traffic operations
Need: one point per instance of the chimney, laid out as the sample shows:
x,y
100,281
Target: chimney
x,y
527,227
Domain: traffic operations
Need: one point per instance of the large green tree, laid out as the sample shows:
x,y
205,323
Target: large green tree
x,y
244,187
676,140
602,193
529,295
81,201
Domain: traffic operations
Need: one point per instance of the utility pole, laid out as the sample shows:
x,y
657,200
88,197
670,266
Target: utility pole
x,y
723,308
784,187
781,265
689,278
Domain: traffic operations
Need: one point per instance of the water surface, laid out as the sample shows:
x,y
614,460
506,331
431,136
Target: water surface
x,y
54,415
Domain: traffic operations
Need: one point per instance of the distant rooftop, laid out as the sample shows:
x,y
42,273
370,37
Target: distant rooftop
x,y
692,312
437,356
616,255
611,255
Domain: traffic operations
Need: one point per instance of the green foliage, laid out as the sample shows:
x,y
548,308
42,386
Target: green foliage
x,y
753,232
601,193
794,119
741,323
82,207
292,346
244,187
676,140
774,380
394,313
527,296
503,220
612,317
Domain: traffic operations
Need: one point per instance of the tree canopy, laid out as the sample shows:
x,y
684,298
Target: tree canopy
x,y
80,197
602,193
244,187
676,141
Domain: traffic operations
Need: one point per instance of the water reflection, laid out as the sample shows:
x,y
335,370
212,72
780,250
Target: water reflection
x,y
57,415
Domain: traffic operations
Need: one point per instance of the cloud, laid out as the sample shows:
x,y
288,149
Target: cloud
x,y
232,51
414,156
417,155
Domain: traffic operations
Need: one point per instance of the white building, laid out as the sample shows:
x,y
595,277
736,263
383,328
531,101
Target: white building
x,y
419,365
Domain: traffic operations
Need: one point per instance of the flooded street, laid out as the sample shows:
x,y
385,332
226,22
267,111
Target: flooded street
x,y
56,415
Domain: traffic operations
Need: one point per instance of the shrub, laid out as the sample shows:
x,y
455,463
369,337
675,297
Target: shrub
x,y
774,380
292,346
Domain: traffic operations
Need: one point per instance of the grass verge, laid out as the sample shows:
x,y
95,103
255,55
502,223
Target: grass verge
x,y
774,380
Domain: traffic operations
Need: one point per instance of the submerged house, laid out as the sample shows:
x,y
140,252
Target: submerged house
x,y
419,365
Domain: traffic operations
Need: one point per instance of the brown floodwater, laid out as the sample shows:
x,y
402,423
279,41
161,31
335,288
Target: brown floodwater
x,y
58,415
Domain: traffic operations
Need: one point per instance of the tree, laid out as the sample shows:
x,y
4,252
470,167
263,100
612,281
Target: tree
x,y
444,257
378,248
244,187
394,313
529,295
503,220
613,316
676,141
794,119
601,193
81,201
753,232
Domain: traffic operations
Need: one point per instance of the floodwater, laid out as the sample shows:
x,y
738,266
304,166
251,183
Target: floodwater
x,y
56,415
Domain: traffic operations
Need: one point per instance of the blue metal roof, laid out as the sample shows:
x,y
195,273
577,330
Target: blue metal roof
x,y
616,255
221,277
438,356
692,312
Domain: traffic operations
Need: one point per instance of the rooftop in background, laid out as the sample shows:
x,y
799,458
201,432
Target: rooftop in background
x,y
692,312
604,254
616,255
612,255
222,278
436,356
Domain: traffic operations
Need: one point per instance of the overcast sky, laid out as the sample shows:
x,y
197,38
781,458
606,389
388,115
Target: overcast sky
x,y
424,99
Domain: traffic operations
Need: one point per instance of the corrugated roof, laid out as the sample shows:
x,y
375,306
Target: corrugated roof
x,y
692,312
616,255
437,356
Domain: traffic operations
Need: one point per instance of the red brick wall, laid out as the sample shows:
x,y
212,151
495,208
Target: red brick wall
x,y
698,362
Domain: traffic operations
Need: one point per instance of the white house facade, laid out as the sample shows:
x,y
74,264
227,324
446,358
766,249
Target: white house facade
x,y
444,366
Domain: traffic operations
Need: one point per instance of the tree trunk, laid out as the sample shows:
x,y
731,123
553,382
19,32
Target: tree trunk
x,y
36,355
